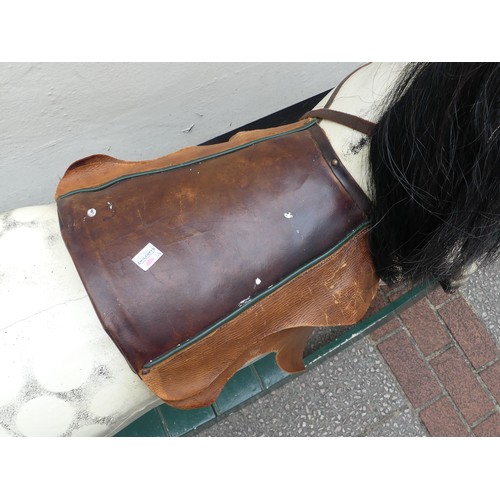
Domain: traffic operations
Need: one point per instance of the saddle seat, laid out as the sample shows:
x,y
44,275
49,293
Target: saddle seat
x,y
204,259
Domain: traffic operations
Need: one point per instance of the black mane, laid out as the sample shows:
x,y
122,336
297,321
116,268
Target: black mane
x,y
435,163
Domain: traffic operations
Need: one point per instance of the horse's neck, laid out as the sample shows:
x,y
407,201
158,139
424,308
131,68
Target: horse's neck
x,y
362,95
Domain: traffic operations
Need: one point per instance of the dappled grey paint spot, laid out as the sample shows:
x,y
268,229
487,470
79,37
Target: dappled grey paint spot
x,y
76,398
356,148
8,223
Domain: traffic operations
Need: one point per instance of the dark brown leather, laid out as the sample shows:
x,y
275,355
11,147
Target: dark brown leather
x,y
230,226
341,173
351,121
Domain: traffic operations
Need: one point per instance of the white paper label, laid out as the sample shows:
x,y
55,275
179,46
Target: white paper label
x,y
147,256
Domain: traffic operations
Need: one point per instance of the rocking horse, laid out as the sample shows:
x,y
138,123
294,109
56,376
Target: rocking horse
x,y
158,280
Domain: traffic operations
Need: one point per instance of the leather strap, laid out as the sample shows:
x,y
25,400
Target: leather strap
x,y
342,174
351,121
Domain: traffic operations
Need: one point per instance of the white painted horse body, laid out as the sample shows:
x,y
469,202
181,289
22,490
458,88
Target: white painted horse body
x,y
61,375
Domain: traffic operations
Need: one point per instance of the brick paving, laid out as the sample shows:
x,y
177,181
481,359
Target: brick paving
x,y
446,363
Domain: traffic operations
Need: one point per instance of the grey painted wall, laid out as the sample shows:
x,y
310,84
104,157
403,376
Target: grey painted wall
x,y
53,114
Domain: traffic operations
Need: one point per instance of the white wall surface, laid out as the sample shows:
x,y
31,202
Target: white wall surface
x,y
53,114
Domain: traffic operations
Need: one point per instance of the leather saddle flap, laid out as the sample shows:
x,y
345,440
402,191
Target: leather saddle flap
x,y
168,247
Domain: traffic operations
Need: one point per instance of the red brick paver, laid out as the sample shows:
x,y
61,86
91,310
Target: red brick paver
x,y
439,296
462,385
410,369
425,327
441,419
491,377
470,333
490,427
448,364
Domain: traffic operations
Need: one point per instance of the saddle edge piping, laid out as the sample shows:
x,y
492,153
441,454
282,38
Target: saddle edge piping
x,y
188,163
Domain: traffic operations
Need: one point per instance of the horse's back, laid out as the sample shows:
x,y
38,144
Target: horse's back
x,y
61,374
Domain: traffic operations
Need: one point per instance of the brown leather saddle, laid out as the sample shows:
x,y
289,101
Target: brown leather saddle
x,y
202,260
